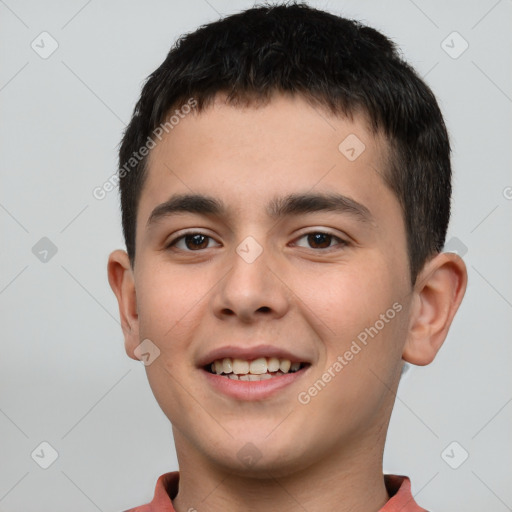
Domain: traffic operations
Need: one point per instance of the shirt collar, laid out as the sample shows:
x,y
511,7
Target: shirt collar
x,y
398,487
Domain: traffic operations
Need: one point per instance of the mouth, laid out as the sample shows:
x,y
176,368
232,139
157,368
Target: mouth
x,y
262,368
259,372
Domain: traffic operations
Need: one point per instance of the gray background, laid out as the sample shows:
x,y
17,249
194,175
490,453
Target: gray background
x,y
64,376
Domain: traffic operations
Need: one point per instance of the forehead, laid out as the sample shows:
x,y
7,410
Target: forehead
x,y
252,155
285,122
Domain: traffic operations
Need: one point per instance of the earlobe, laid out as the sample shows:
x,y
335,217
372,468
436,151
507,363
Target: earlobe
x,y
438,292
120,277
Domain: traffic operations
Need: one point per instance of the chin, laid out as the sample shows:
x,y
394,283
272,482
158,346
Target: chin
x,y
255,456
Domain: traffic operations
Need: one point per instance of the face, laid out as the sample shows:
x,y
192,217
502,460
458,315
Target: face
x,y
295,266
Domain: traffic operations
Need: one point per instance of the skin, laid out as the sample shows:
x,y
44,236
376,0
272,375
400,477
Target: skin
x,y
311,300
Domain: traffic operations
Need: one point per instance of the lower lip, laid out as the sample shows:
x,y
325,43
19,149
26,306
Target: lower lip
x,y
252,390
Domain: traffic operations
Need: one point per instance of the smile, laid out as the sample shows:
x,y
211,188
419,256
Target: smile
x,y
253,379
262,368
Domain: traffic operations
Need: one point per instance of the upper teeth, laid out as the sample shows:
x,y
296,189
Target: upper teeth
x,y
255,367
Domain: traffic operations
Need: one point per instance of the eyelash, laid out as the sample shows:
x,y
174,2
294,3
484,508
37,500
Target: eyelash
x,y
342,242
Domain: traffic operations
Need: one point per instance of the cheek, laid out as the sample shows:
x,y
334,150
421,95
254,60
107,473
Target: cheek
x,y
358,316
165,300
169,314
343,300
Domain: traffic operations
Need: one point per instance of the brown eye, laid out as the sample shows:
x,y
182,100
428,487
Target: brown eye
x,y
191,242
321,240
196,241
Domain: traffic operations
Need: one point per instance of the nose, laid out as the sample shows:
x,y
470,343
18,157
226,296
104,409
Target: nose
x,y
251,290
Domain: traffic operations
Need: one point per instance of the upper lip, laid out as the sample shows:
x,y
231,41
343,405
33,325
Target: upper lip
x,y
249,353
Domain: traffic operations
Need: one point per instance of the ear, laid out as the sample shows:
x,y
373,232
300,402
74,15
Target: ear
x,y
437,295
120,277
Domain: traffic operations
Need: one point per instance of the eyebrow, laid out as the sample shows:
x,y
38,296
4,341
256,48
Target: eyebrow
x,y
279,207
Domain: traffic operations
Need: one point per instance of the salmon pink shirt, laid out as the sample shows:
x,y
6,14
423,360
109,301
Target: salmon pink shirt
x,y
398,487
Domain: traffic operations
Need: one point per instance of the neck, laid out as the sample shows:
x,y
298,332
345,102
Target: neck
x,y
348,480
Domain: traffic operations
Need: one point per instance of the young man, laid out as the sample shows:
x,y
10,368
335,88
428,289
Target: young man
x,y
285,186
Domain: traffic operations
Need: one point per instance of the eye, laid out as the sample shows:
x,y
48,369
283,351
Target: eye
x,y
321,240
192,241
196,241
